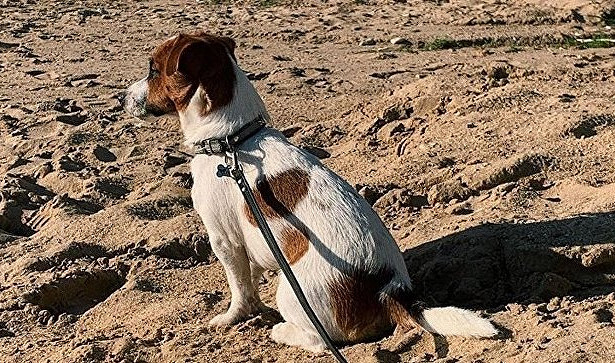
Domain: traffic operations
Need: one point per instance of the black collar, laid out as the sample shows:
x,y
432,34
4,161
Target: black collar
x,y
220,146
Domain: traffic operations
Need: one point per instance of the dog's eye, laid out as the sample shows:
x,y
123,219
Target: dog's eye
x,y
153,72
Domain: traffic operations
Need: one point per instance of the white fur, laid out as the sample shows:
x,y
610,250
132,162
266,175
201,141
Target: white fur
x,y
136,97
344,230
455,321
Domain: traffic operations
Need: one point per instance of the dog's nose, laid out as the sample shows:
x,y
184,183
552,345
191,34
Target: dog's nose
x,y
121,98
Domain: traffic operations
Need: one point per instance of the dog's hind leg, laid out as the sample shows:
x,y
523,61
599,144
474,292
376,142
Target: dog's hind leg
x,y
244,295
297,330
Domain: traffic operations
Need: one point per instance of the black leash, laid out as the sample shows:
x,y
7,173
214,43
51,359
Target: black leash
x,y
234,170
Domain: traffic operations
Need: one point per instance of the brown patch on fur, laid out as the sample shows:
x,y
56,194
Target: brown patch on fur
x,y
294,243
403,309
183,63
357,304
278,196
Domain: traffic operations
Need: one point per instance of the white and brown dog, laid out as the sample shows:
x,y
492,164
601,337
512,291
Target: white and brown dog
x,y
346,261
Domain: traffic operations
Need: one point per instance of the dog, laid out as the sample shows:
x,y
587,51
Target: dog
x,y
347,263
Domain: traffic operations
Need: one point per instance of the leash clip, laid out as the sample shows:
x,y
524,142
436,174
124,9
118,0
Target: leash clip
x,y
232,167
232,161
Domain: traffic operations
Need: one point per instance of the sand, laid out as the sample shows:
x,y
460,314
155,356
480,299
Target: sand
x,y
484,138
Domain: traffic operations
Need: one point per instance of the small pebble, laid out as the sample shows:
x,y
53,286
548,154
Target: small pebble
x,y
367,42
399,41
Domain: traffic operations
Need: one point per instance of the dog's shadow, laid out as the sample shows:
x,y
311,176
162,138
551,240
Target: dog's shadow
x,y
489,266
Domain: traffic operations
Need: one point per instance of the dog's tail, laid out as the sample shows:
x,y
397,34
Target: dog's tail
x,y
443,321
454,321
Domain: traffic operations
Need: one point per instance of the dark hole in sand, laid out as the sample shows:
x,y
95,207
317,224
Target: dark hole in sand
x,y
78,293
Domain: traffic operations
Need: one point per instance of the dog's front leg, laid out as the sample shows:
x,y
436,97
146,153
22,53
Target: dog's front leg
x,y
244,295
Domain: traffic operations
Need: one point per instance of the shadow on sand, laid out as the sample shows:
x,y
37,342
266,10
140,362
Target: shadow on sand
x,y
490,265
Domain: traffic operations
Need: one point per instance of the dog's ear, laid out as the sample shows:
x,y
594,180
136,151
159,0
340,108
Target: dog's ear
x,y
230,45
228,42
196,57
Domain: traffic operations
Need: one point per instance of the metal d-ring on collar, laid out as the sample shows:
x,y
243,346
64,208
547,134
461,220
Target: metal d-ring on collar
x,y
224,145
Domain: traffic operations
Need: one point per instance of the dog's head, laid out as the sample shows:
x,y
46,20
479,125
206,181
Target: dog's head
x,y
178,69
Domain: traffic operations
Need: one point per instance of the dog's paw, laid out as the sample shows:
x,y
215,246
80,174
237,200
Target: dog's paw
x,y
278,332
315,348
290,334
225,319
235,315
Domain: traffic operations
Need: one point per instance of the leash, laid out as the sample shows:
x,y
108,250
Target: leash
x,y
235,171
